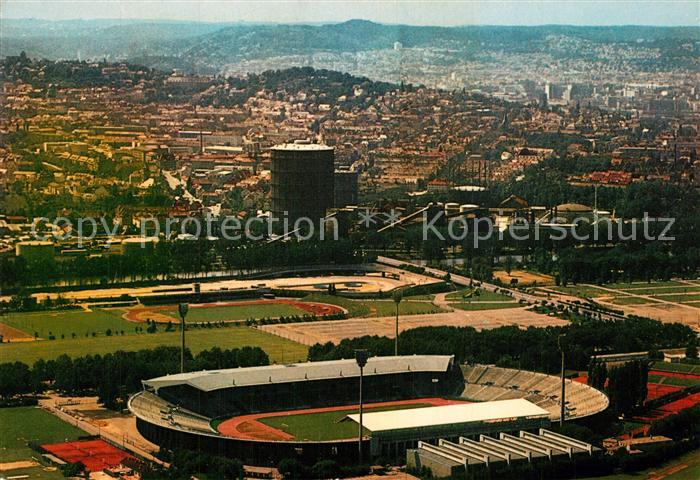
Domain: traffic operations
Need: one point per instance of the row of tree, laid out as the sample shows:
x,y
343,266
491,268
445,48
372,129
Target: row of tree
x,y
114,376
165,259
531,349
625,384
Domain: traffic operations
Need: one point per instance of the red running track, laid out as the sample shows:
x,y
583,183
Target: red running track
x,y
249,428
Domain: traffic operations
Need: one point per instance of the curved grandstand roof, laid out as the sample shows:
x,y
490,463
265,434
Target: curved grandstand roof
x,y
296,372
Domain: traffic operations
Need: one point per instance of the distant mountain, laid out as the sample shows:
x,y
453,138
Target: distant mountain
x,y
211,46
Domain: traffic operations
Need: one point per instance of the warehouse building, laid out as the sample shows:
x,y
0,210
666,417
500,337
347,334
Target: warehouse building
x,y
446,458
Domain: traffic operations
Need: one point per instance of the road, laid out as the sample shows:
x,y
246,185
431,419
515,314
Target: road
x,y
558,300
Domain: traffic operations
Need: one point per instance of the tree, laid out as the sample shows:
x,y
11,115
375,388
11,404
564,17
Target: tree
x,y
627,386
290,468
325,469
73,469
691,351
508,264
597,374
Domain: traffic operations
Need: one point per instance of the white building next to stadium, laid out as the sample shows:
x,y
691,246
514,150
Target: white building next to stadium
x,y
402,429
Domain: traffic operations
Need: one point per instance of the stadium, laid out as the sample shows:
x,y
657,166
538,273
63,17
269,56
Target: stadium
x,y
307,410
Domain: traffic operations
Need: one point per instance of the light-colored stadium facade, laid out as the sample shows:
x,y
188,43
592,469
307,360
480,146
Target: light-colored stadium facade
x,y
178,411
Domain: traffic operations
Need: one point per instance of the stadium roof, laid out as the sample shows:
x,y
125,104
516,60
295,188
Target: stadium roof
x,y
296,372
450,414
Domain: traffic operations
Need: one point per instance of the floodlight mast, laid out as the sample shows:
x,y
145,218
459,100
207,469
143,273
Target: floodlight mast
x,y
361,357
182,310
563,381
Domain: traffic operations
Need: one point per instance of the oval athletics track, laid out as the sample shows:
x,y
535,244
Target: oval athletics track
x,y
248,427
141,314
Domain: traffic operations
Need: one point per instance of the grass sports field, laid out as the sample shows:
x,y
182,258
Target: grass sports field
x,y
81,323
325,425
676,367
279,349
240,312
676,381
30,424
375,308
69,322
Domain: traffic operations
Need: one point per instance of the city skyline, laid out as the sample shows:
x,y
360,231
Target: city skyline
x,y
444,13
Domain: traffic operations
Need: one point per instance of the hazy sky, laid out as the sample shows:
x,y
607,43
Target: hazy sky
x,y
450,12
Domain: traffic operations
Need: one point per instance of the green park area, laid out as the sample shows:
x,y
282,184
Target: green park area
x,y
278,349
477,296
583,291
24,425
323,426
645,285
475,306
625,300
662,290
679,298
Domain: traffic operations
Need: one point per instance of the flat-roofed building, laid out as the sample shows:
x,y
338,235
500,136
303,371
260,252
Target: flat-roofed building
x,y
448,458
394,431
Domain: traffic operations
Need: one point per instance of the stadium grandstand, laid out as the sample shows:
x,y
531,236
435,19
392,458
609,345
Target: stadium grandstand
x,y
227,412
239,391
485,383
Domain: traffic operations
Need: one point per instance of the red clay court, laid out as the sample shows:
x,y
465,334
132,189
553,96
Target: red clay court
x,y
656,390
249,428
671,408
96,455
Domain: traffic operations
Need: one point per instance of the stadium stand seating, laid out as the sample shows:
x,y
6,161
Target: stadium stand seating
x,y
161,411
484,383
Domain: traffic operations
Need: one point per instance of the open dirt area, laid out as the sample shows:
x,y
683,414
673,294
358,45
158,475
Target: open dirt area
x,y
523,277
12,334
337,330
664,312
4,467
